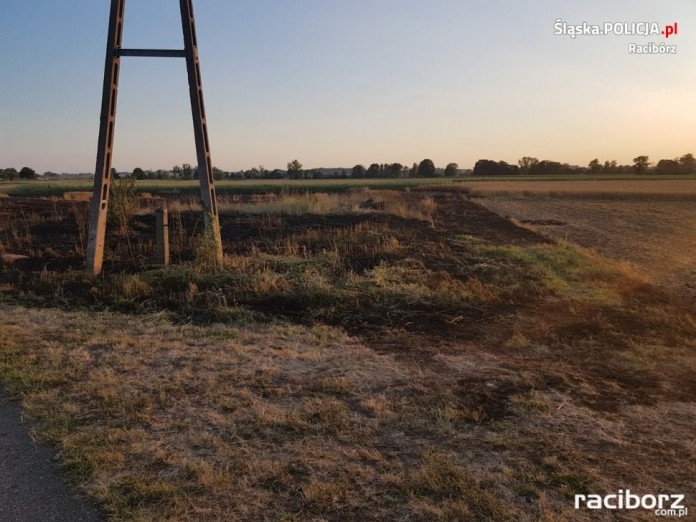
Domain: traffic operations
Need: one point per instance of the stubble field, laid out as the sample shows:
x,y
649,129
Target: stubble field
x,y
657,236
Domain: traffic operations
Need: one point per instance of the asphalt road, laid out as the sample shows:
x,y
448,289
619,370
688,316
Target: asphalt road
x,y
31,486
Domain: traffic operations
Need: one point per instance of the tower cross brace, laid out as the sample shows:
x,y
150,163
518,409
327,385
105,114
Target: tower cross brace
x,y
102,177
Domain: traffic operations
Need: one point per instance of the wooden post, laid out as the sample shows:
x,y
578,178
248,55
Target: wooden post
x,y
162,253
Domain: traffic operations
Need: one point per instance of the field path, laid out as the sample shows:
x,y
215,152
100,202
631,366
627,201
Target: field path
x,y
31,488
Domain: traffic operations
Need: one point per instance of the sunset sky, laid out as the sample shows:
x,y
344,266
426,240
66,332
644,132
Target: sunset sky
x,y
338,83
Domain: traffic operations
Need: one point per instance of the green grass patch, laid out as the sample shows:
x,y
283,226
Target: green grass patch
x,y
227,187
562,267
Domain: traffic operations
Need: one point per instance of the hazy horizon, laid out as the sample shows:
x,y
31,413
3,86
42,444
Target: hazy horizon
x,y
350,83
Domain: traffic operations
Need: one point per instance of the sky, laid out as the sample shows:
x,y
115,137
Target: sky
x,y
338,83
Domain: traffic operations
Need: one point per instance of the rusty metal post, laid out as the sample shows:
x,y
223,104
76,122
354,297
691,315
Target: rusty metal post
x,y
102,174
162,233
102,177
200,125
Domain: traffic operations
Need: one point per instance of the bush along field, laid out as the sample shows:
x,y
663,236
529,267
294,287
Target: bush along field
x,y
369,355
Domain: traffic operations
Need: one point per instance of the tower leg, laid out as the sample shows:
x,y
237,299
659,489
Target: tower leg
x,y
102,175
200,126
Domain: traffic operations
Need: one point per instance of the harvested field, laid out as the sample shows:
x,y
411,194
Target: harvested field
x,y
380,356
648,189
658,237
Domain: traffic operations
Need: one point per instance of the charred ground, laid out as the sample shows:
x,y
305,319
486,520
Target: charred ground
x,y
505,372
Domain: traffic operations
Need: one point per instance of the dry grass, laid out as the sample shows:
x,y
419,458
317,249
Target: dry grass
x,y
167,422
77,196
162,421
363,200
359,366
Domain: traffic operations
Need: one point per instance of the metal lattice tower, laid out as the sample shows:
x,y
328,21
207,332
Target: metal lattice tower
x,y
102,178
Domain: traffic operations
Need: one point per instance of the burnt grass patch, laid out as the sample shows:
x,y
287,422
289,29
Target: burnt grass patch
x,y
489,374
340,246
406,285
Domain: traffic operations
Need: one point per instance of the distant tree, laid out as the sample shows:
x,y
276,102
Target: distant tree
x,y
495,168
178,173
484,167
641,164
189,171
393,170
373,171
277,174
358,172
27,173
138,173
115,174
546,168
256,173
688,164
451,170
295,170
668,167
595,166
426,169
218,174
566,168
50,175
610,167
525,163
186,171
414,171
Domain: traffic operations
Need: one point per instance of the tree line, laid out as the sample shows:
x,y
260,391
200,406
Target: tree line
x,y
686,164
527,165
12,174
424,169
295,170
